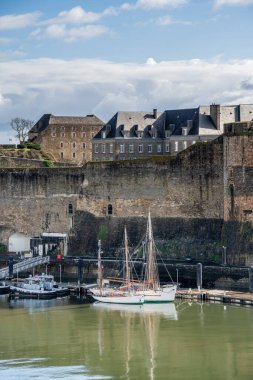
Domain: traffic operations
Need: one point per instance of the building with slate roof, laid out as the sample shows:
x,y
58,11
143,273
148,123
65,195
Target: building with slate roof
x,y
131,135
66,138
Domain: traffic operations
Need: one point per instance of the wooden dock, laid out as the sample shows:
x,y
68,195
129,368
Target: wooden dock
x,y
216,296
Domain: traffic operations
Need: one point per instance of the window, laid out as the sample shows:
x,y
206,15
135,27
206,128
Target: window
x,y
167,134
111,148
92,135
103,148
74,155
109,209
83,135
185,144
103,134
73,134
70,208
131,148
73,128
167,148
122,148
53,134
184,131
61,154
140,134
159,148
176,146
140,148
62,134
96,148
62,128
74,145
61,145
83,145
150,148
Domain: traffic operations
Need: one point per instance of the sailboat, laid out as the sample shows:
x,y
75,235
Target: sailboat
x,y
151,289
124,295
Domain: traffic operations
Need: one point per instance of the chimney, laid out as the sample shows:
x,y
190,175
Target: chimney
x,y
155,113
215,115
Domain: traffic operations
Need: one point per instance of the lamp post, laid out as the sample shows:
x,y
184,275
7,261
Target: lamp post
x,y
224,256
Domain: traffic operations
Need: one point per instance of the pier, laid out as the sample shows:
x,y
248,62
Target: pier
x,y
229,297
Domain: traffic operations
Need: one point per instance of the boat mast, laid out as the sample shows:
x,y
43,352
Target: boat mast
x,y
100,279
127,262
152,279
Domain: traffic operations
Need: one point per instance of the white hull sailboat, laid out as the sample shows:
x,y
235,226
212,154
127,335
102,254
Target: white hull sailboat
x,y
151,289
116,296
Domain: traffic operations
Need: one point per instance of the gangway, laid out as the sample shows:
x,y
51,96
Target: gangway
x,y
24,265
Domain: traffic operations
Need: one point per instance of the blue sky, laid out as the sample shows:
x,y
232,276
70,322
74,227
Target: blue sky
x,y
73,57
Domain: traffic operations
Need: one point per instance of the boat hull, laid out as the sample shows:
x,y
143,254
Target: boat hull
x,y
17,292
4,289
117,299
163,295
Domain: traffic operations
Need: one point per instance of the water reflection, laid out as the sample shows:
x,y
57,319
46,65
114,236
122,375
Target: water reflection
x,y
148,317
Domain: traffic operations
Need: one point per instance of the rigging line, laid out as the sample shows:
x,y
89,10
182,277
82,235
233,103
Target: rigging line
x,y
164,264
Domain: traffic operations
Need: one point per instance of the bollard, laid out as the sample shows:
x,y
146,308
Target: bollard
x,y
251,279
199,276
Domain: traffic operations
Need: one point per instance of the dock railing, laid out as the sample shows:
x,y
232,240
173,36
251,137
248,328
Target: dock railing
x,y
24,265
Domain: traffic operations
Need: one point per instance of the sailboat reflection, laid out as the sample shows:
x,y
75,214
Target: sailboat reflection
x,y
140,330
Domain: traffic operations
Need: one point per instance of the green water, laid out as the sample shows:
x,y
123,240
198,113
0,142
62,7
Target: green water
x,y
59,339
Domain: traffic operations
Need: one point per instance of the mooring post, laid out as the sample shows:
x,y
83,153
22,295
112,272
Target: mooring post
x,y
251,279
199,276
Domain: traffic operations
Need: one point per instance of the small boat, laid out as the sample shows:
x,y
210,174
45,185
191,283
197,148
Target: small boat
x,y
39,287
122,295
150,288
4,289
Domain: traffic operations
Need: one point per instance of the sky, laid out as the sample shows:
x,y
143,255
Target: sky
x,y
69,57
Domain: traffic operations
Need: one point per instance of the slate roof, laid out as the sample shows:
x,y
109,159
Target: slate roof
x,y
126,124
202,123
49,119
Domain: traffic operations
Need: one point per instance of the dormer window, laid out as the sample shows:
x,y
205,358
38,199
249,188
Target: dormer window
x,y
139,134
184,131
103,134
167,134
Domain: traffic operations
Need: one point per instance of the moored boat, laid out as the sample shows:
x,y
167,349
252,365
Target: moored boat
x,y
4,289
150,288
121,295
39,287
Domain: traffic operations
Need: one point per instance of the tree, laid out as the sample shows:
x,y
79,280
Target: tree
x,y
21,127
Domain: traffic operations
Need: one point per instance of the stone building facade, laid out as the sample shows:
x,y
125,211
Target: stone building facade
x,y
131,135
66,138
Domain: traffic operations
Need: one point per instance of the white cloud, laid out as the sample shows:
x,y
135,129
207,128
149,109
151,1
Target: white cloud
x,y
164,20
70,34
8,22
220,3
76,15
153,4
76,87
149,4
73,24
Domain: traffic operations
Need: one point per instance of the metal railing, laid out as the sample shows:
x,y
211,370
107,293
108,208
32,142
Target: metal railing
x,y
24,265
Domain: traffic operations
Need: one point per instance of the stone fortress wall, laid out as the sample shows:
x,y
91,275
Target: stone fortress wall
x,y
193,198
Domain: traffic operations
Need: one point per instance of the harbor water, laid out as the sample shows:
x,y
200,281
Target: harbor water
x,y
66,339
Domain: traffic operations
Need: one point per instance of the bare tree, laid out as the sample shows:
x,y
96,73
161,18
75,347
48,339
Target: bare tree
x,y
21,127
